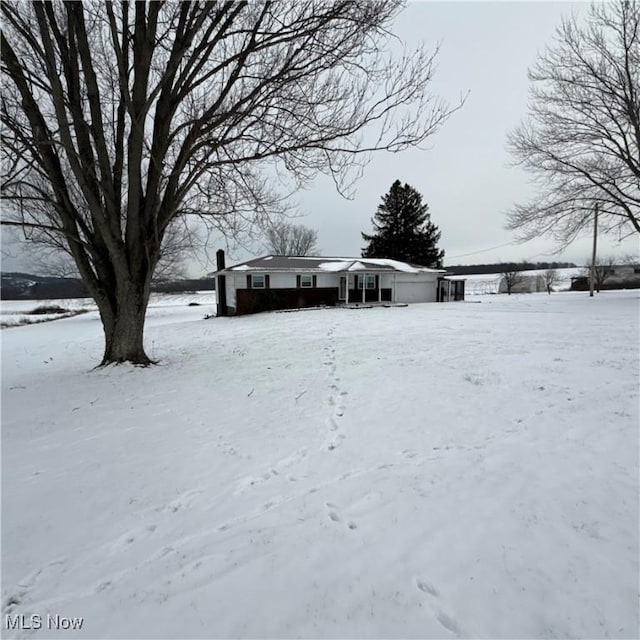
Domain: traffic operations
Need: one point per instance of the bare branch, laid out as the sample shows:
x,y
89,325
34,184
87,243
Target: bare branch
x,y
581,141
287,239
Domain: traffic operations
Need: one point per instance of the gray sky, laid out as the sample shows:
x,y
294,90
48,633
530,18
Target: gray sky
x,y
486,49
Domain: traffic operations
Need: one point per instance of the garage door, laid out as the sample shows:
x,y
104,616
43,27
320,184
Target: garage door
x,y
416,291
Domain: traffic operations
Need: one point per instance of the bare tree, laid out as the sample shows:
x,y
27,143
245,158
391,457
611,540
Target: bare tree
x,y
287,239
49,259
581,140
550,278
179,243
603,268
511,280
119,118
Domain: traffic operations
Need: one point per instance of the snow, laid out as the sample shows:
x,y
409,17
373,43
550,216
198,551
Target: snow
x,y
484,283
341,265
402,266
432,471
350,264
19,312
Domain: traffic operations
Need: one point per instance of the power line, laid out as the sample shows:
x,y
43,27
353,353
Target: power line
x,y
473,253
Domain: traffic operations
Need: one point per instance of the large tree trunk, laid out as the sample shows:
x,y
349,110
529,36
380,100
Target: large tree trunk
x,y
123,323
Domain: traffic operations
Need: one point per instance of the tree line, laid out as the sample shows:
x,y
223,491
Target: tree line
x,y
25,286
500,267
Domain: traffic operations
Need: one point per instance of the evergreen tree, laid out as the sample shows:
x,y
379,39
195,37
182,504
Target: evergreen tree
x,y
403,229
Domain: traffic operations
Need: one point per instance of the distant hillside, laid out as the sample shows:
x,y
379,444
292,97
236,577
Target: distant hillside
x,y
500,267
26,286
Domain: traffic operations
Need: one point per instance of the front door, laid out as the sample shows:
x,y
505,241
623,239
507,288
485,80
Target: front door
x,y
342,293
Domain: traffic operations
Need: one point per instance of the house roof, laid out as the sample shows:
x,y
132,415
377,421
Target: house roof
x,y
324,264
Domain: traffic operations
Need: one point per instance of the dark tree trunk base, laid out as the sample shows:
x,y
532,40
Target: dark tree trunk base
x,y
123,324
138,361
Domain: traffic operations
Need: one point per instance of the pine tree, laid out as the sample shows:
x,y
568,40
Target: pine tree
x,y
403,229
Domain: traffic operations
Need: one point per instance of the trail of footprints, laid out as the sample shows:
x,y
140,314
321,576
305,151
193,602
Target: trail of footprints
x,y
336,401
443,618
21,593
336,397
334,516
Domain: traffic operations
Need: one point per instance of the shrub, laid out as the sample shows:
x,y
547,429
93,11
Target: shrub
x,y
53,308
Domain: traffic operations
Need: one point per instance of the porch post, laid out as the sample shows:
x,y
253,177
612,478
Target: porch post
x,y
364,286
379,279
346,299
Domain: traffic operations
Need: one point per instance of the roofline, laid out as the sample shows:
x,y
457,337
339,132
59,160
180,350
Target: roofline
x,y
351,260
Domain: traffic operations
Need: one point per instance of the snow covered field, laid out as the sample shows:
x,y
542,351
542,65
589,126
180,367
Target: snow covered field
x,y
485,283
19,312
434,471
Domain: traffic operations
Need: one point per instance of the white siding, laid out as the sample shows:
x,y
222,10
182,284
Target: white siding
x,y
282,280
407,287
328,279
386,281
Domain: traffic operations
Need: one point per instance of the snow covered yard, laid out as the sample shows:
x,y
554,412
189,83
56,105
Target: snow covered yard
x,y
15,313
434,471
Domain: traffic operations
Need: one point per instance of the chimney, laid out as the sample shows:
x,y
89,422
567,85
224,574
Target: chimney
x,y
220,259
221,285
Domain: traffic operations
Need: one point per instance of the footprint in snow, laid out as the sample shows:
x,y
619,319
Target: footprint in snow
x,y
443,618
55,565
448,623
334,444
103,586
334,516
426,587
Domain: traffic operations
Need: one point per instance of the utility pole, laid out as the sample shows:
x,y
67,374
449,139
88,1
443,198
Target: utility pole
x,y
593,253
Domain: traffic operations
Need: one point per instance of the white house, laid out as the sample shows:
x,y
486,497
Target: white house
x,y
283,282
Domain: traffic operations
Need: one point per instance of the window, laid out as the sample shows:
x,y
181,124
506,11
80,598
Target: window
x,y
257,281
306,280
368,280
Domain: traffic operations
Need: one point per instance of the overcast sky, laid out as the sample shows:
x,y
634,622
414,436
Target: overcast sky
x,y
465,177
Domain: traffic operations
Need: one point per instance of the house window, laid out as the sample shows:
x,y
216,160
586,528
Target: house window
x,y
257,281
306,280
368,281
